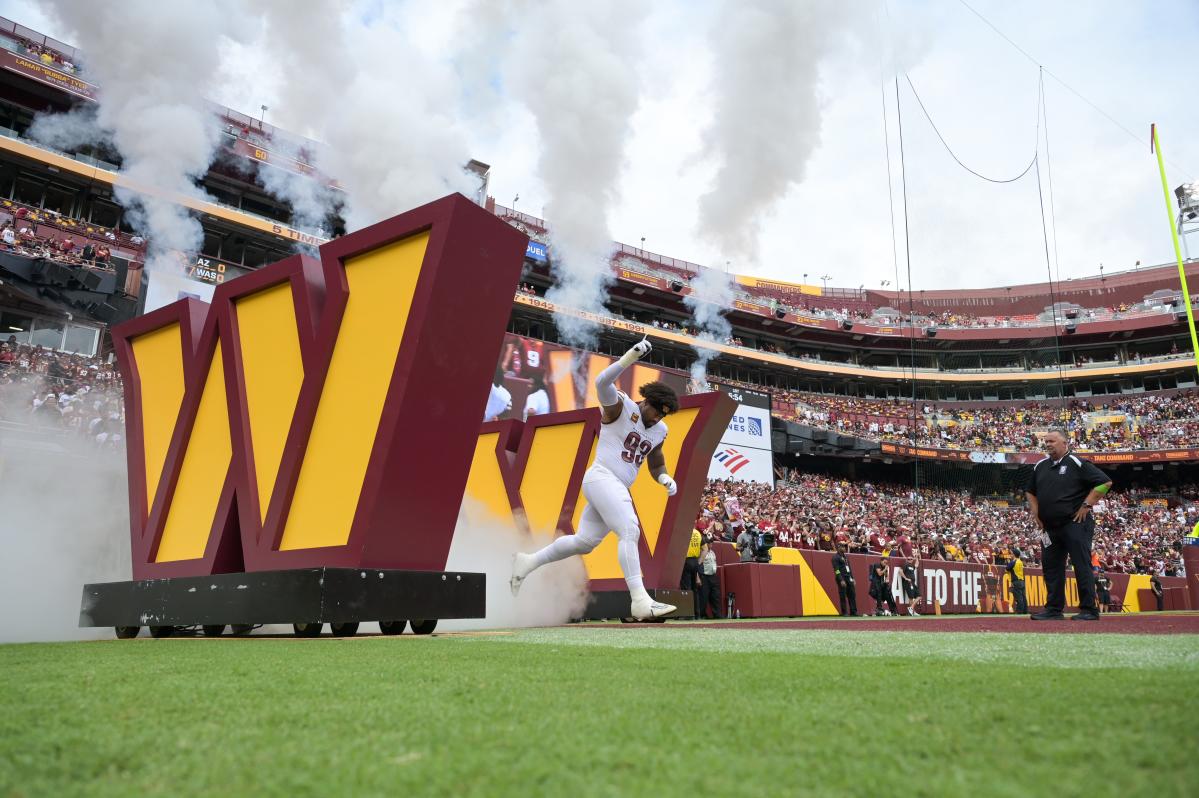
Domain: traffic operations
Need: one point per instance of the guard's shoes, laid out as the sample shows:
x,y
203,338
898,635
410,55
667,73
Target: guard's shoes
x,y
1085,615
644,608
1047,615
522,564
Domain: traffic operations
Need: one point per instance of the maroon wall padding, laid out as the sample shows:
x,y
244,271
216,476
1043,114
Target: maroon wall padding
x,y
762,590
959,587
1190,561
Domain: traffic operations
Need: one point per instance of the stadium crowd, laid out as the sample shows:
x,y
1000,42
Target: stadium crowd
x,y
61,393
1136,532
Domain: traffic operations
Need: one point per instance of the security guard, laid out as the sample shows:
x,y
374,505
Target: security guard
x,y
846,590
1061,493
1015,567
690,579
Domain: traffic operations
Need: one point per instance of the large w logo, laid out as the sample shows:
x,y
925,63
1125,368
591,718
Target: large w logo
x,y
326,413
319,413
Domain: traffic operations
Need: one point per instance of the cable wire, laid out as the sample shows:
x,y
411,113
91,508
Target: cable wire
x,y
1140,140
949,149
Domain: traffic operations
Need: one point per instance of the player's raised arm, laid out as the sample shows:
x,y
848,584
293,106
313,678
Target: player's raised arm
x,y
605,383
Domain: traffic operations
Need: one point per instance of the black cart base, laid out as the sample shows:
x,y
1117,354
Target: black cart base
x,y
306,598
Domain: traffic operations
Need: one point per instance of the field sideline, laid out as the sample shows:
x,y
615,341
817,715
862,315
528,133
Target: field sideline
x,y
606,710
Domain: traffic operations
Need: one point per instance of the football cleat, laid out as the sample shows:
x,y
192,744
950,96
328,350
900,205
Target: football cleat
x,y
645,608
522,565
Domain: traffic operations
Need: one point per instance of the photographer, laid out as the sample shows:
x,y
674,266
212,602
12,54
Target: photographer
x,y
846,590
1103,590
880,587
910,577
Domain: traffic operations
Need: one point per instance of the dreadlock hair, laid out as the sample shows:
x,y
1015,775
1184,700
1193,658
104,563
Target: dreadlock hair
x,y
661,396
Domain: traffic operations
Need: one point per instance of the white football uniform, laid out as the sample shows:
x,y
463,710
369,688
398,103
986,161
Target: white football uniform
x,y
625,443
623,446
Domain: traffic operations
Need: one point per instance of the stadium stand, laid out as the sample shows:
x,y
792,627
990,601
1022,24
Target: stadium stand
x,y
1138,530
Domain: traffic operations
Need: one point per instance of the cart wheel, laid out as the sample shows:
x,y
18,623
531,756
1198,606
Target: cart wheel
x,y
344,629
214,630
241,629
424,627
307,629
162,631
127,632
392,627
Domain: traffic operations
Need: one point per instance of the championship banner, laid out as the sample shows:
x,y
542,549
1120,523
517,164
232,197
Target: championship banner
x,y
44,73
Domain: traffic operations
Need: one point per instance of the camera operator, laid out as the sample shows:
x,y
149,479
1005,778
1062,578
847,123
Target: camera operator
x,y
745,543
846,590
880,587
1103,590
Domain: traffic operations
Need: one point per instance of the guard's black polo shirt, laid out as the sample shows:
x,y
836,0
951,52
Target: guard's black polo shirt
x,y
1061,486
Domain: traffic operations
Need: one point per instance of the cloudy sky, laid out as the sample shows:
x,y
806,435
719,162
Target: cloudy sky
x,y
758,141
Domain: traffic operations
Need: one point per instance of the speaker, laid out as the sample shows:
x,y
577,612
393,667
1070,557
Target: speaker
x,y
1071,314
1180,315
931,332
847,325
676,286
1070,329
780,313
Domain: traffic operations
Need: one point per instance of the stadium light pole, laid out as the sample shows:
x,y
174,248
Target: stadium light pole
x,y
642,245
262,119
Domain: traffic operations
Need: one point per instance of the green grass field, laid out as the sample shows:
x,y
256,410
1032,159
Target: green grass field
x,y
624,712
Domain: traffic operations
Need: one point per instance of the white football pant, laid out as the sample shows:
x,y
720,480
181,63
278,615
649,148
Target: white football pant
x,y
609,508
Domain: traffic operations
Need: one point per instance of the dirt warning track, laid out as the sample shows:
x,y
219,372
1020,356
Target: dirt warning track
x,y
1127,623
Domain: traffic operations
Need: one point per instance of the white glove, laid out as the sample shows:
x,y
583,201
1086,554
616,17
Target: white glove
x,y
668,483
639,350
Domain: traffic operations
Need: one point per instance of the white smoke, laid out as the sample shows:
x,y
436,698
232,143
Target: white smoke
x,y
711,297
68,131
154,62
550,596
383,107
65,523
573,66
767,116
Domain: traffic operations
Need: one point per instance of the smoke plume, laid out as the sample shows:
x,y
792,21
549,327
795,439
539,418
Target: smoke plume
x,y
766,123
711,297
383,107
154,61
65,523
550,596
68,131
573,66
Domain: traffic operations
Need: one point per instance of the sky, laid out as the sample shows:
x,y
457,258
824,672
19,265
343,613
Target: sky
x,y
762,147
